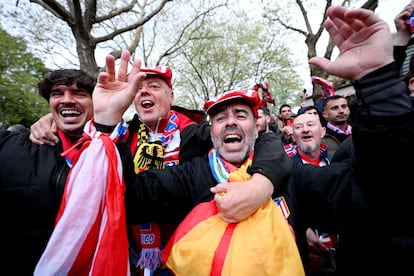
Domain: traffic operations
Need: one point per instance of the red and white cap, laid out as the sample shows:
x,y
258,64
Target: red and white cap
x,y
163,72
249,96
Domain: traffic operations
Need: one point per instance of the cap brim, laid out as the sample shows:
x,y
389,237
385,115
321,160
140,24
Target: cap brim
x,y
218,104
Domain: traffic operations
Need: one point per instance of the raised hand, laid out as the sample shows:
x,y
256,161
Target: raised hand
x,y
364,41
403,34
113,94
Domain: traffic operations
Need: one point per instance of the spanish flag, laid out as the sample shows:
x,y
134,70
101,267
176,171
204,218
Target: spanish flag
x,y
204,244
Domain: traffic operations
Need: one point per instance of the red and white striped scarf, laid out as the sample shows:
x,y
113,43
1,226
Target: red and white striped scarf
x,y
90,235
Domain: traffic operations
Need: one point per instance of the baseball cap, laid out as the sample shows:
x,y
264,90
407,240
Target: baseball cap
x,y
163,72
249,96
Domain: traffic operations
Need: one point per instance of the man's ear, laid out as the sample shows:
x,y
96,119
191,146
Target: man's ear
x,y
257,129
323,131
172,98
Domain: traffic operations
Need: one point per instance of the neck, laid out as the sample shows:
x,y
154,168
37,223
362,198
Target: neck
x,y
158,125
341,125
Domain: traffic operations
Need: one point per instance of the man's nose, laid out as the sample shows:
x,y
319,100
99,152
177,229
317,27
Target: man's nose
x,y
68,96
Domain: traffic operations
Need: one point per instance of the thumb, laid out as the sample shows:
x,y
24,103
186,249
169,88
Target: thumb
x,y
219,188
321,63
135,84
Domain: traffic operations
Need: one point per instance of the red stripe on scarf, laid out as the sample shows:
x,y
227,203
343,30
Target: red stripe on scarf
x,y
106,264
204,211
222,249
84,261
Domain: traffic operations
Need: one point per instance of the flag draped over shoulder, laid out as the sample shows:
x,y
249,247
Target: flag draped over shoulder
x,y
90,233
204,244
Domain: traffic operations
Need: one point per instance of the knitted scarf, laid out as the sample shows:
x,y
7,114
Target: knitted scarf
x,y
347,131
150,155
90,232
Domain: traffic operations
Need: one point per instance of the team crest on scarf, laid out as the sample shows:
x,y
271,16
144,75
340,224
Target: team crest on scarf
x,y
150,155
281,203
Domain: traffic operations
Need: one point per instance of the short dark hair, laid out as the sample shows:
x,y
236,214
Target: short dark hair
x,y
331,98
265,110
66,77
312,107
282,106
306,108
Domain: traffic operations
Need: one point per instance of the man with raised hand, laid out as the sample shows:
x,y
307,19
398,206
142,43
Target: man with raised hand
x,y
364,199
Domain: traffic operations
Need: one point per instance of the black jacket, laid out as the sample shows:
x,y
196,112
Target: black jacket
x,y
32,181
169,194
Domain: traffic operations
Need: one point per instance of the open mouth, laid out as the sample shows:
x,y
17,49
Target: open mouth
x,y
307,138
70,113
232,138
147,104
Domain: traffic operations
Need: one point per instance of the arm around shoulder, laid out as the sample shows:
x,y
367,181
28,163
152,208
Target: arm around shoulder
x,y
270,159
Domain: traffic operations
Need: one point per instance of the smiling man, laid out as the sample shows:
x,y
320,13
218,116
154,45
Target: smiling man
x,y
159,137
69,93
39,172
308,133
170,194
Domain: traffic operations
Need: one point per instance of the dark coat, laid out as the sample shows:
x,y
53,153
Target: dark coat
x,y
169,194
32,180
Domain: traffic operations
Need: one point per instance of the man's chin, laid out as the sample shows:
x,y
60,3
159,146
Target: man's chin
x,y
72,129
234,156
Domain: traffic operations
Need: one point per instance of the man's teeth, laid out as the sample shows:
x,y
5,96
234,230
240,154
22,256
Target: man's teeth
x,y
232,138
70,113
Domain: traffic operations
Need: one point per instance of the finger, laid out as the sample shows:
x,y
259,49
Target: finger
x,y
227,219
35,140
103,78
321,62
39,136
135,67
41,139
49,142
366,16
221,187
123,65
135,83
54,129
110,67
51,138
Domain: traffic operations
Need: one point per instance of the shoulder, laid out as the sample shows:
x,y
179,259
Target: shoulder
x,y
330,141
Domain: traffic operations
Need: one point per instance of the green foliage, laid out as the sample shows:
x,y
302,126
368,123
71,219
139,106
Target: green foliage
x,y
19,73
231,54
